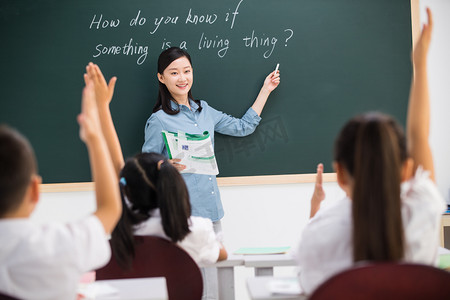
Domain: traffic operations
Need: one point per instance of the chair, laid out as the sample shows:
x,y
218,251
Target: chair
x,y
157,257
6,297
386,281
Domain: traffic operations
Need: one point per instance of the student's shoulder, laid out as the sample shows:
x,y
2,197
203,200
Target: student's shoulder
x,y
76,230
421,193
336,214
55,238
200,223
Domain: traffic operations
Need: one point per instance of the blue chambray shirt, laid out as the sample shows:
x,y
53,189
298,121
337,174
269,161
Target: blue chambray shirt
x,y
203,189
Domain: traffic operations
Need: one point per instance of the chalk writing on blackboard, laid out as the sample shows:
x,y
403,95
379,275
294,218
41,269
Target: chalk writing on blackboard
x,y
219,41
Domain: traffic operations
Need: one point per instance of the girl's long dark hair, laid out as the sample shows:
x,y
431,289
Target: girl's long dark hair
x,y
165,59
147,184
372,148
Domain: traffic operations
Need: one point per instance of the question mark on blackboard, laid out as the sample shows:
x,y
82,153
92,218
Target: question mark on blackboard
x,y
290,35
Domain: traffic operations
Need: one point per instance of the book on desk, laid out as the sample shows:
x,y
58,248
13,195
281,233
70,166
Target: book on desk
x,y
262,250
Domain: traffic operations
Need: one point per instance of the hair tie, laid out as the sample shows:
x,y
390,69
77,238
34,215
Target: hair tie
x,y
122,181
159,164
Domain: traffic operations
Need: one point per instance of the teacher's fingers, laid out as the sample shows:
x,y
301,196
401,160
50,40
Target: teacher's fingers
x,y
175,163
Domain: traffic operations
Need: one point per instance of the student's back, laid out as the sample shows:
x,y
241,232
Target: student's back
x,y
47,261
392,210
327,245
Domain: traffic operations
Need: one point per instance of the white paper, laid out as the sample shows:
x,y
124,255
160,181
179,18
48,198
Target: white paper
x,y
195,151
286,286
97,290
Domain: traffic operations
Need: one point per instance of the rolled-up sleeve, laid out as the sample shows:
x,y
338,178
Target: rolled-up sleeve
x,y
154,141
230,125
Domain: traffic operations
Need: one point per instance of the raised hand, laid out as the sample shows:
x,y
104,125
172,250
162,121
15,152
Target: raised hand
x,y
88,119
103,91
319,194
423,44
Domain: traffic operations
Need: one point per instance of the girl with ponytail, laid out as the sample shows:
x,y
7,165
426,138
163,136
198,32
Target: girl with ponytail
x,y
154,195
393,208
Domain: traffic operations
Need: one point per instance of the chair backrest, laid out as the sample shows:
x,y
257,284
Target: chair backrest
x,y
157,257
386,281
6,297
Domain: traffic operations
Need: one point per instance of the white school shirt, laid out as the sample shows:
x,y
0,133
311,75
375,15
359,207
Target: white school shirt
x,y
47,261
201,243
326,246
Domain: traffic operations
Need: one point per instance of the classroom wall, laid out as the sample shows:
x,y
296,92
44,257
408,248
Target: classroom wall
x,y
275,214
439,80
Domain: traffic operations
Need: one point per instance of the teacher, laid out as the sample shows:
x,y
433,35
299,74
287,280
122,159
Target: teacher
x,y
177,110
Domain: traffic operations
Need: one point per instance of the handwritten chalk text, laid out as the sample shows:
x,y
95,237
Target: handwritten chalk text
x,y
211,38
104,23
255,41
126,49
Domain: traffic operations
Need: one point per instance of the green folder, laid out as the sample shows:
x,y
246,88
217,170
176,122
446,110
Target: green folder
x,y
263,250
444,261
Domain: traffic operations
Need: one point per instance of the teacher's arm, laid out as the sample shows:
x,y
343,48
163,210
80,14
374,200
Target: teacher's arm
x,y
270,83
154,141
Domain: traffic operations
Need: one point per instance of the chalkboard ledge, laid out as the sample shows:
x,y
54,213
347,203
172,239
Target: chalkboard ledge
x,y
222,181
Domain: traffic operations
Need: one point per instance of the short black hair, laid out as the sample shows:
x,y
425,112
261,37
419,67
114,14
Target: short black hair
x,y
17,165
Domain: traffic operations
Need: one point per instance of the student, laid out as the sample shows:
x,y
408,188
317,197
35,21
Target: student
x,y
47,261
154,195
393,209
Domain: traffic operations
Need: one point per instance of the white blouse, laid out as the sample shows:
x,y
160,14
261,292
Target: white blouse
x,y
201,243
326,245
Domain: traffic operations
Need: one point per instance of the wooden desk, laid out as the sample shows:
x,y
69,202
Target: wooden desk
x,y
445,222
154,288
225,275
258,288
263,265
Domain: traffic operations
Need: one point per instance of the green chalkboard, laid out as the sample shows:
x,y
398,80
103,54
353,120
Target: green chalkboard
x,y
337,58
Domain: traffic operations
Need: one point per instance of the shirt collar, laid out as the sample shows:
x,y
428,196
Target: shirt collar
x,y
176,106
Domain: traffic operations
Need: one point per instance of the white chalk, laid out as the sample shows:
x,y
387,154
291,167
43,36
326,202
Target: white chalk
x,y
276,69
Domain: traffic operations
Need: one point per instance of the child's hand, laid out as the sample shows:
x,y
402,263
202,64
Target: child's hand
x,y
88,118
319,194
103,91
421,49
